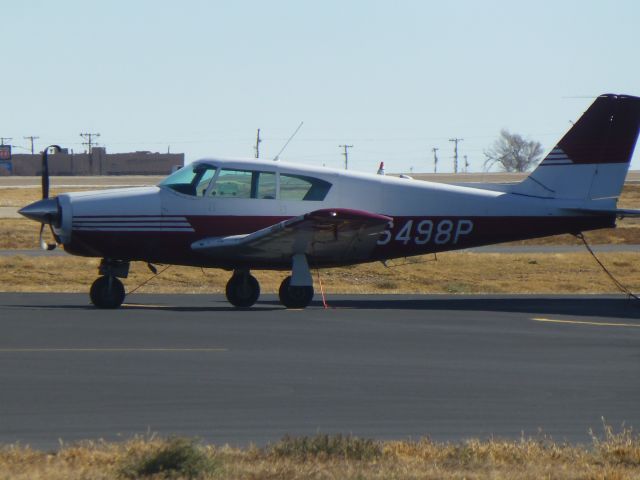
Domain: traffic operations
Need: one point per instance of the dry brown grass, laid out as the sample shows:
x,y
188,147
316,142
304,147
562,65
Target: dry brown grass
x,y
614,455
461,273
18,233
630,197
19,197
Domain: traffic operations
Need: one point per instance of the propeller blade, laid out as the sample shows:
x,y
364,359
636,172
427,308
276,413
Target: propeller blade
x,y
44,245
45,175
52,246
45,169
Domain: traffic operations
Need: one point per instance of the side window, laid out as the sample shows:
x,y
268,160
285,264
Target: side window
x,y
266,185
233,184
298,187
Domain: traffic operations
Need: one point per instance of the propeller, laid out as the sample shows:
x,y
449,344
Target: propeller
x,y
45,194
46,210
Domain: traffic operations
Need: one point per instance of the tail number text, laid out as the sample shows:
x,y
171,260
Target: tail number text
x,y
424,231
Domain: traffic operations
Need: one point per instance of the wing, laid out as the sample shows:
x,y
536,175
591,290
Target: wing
x,y
329,235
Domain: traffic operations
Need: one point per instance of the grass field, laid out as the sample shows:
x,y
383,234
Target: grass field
x,y
612,455
458,273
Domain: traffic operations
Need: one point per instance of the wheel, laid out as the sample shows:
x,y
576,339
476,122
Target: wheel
x,y
242,290
295,297
107,292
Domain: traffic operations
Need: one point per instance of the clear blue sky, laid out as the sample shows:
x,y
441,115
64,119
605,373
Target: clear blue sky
x,y
392,78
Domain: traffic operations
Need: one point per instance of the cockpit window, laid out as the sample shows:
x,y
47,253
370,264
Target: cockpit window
x,y
244,184
266,185
233,184
298,187
191,179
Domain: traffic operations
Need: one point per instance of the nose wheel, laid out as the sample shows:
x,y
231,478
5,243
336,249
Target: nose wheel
x,y
107,292
242,290
295,296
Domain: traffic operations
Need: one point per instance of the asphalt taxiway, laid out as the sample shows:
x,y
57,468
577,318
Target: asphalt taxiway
x,y
399,367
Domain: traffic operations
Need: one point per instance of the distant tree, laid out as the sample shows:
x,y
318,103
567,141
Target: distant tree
x,y
512,153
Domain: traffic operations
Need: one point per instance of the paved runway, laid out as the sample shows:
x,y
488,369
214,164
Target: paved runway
x,y
376,366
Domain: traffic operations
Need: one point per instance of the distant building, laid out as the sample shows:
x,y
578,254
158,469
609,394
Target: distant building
x,y
98,162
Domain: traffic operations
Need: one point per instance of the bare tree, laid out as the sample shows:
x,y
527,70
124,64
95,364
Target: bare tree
x,y
512,153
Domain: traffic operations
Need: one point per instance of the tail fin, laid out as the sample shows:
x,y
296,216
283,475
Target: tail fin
x,y
591,161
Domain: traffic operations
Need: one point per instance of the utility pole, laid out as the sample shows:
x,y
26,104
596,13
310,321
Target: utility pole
x,y
346,155
258,142
31,138
3,139
455,153
435,159
89,140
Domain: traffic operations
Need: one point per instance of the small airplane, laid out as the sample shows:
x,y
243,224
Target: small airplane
x,y
241,215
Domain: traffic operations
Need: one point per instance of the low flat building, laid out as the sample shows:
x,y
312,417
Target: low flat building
x,y
98,162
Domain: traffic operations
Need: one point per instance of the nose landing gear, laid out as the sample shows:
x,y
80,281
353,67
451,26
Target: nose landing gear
x,y
107,291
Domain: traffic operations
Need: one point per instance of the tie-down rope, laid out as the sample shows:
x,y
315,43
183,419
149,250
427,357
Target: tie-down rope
x,y
615,281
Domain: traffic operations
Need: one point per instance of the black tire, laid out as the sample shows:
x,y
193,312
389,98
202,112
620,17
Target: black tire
x,y
295,297
107,292
242,290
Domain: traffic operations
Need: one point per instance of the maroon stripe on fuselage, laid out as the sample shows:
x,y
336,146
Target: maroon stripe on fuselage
x,y
409,236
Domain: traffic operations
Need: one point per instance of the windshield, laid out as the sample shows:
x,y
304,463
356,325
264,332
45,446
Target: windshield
x,y
191,179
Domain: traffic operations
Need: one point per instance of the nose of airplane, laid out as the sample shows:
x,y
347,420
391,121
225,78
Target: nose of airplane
x,y
43,211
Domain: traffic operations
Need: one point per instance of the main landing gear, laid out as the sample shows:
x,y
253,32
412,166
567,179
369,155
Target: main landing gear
x,y
295,296
242,289
296,291
107,291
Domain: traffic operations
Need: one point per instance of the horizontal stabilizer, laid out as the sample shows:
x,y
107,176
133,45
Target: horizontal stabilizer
x,y
618,212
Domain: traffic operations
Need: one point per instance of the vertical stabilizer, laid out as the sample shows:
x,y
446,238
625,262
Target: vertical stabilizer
x,y
591,161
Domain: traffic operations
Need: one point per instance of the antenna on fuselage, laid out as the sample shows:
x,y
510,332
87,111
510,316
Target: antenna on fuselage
x,y
277,157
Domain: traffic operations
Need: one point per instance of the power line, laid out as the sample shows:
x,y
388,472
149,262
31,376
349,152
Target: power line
x,y
435,159
346,155
455,153
31,139
89,140
2,139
